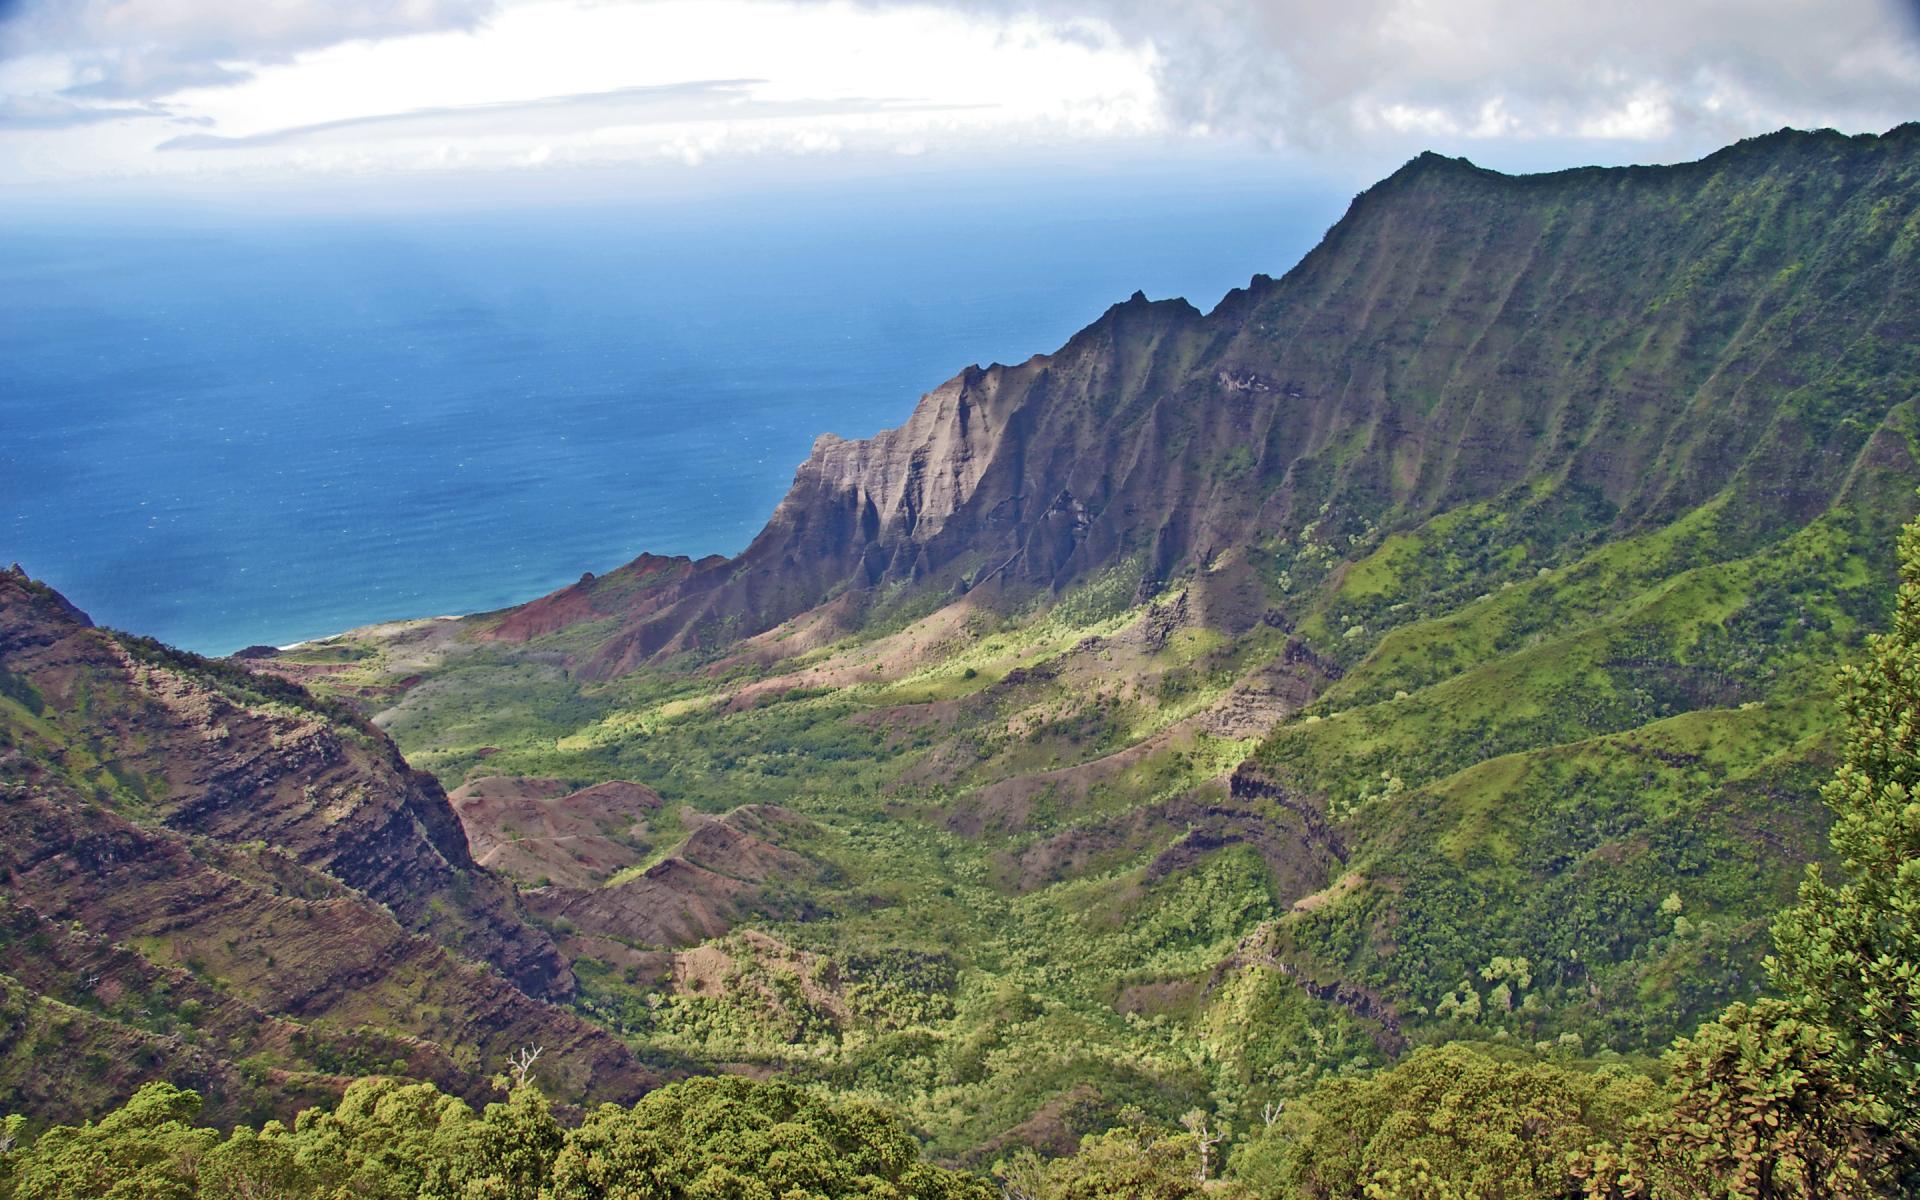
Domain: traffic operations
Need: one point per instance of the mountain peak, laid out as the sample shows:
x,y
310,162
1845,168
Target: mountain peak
x,y
1137,306
1348,380
21,594
1430,163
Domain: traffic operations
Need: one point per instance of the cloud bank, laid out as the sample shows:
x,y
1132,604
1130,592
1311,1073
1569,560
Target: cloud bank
x,y
1321,76
146,49
294,87
93,88
691,101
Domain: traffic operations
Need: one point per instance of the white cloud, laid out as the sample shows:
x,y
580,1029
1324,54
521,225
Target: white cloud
x,y
1646,116
547,116
41,111
556,82
1694,73
147,49
95,87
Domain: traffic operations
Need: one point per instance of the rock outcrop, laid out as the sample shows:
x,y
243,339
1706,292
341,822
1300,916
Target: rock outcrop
x,y
1437,348
229,840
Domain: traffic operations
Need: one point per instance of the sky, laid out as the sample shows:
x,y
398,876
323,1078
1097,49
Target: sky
x,y
208,97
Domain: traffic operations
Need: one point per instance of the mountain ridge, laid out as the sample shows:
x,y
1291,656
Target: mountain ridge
x,y
230,842
1267,678
863,514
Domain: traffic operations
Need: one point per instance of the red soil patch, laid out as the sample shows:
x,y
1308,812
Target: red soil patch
x,y
631,592
708,883
539,831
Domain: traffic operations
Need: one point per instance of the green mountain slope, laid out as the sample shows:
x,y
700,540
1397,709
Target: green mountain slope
x,y
1433,641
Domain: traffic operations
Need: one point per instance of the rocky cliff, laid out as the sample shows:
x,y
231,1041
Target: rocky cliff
x,y
1635,338
211,751
225,834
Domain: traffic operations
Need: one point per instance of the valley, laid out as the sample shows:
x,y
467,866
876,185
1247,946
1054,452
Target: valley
x,y
1433,645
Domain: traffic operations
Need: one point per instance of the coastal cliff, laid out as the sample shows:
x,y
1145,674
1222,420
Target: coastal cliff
x,y
1634,340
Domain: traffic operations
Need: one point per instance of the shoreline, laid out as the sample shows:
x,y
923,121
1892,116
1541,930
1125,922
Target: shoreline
x,y
328,637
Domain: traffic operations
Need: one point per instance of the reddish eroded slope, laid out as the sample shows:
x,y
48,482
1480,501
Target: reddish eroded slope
x,y
713,879
235,921
252,867
541,832
641,586
205,749
144,1013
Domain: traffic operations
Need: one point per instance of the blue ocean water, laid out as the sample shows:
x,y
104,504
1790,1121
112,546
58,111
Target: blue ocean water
x,y
223,429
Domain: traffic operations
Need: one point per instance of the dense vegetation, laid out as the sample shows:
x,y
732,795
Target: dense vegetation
x,y
1434,644
1811,1094
388,1140
1576,835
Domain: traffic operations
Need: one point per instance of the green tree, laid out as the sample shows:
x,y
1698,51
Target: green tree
x,y
1454,1120
705,1139
385,1140
257,1166
12,1129
1763,1110
612,1157
147,1149
508,1154
1848,955
730,1137
1129,1162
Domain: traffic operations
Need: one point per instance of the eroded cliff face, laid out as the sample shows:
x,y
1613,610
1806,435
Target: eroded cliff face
x,y
196,820
712,880
212,751
1632,339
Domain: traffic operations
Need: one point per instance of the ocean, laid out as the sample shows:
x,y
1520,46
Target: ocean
x,y
225,428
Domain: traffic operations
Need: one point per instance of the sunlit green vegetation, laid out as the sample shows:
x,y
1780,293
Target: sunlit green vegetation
x,y
389,1140
1581,773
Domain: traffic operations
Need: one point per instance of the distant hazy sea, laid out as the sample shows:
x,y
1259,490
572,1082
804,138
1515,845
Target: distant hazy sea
x,y
224,430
